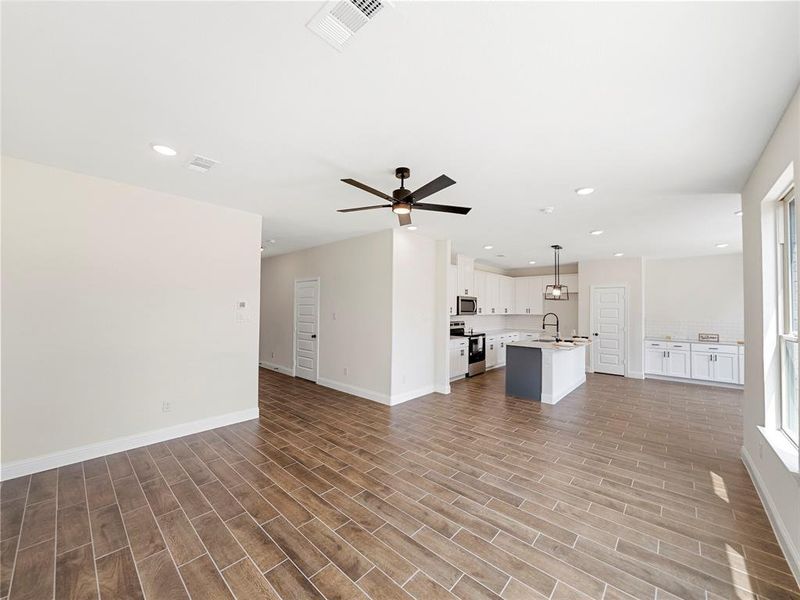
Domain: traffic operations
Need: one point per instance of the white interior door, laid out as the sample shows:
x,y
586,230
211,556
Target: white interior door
x,y
306,326
608,329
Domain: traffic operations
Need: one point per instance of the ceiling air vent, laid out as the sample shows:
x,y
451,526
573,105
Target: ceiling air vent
x,y
337,21
201,164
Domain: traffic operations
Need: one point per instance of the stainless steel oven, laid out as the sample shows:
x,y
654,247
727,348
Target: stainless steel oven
x,y
467,305
477,354
476,343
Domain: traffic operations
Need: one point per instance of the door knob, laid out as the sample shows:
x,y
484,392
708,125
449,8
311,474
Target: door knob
x,y
595,334
313,336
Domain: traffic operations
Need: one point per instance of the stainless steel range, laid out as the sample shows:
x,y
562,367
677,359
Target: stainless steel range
x,y
477,347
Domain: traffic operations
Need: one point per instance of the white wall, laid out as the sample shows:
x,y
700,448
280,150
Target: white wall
x,y
763,452
116,299
686,296
622,271
355,320
414,311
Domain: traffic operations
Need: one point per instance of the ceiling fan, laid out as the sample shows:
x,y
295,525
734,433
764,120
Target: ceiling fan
x,y
403,201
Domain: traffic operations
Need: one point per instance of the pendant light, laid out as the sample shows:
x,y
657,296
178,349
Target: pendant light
x,y
556,291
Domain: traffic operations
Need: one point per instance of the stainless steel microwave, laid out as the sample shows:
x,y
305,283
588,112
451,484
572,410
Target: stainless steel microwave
x,y
467,305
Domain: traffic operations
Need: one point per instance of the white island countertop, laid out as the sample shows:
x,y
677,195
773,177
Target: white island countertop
x,y
548,345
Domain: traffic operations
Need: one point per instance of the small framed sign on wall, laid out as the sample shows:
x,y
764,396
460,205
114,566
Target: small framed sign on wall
x,y
708,337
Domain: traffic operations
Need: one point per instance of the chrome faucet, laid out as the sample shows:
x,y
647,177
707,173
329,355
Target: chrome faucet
x,y
545,324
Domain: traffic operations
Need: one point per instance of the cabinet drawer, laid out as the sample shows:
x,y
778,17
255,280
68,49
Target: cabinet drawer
x,y
651,344
678,346
716,348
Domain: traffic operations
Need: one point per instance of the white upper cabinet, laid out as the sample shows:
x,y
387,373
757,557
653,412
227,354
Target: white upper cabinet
x,y
451,289
506,295
465,275
528,295
480,290
492,294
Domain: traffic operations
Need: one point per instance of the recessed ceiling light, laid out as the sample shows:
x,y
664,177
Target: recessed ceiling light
x,y
531,262
738,213
596,232
722,245
488,247
412,227
547,210
584,191
165,150
619,254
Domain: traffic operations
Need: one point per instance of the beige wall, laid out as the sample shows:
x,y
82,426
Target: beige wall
x,y
622,271
763,452
390,323
355,320
115,300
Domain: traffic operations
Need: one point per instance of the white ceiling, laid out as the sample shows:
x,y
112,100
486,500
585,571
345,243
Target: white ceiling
x,y
664,108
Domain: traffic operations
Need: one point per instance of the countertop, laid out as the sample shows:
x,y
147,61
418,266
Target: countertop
x,y
547,345
687,341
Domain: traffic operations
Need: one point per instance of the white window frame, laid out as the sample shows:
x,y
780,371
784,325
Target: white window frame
x,y
786,333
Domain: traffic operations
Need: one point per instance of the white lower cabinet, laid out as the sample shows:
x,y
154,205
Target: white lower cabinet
x,y
502,340
679,363
705,362
655,358
459,358
667,358
715,362
491,351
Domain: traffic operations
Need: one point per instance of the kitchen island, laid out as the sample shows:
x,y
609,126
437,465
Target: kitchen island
x,y
544,371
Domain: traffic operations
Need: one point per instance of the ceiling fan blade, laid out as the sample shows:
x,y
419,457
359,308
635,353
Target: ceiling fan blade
x,y
364,208
404,219
459,210
366,188
431,187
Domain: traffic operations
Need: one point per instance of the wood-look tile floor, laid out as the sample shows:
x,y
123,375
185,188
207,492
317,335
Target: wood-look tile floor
x,y
625,489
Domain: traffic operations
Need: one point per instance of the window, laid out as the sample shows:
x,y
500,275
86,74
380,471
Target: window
x,y
790,411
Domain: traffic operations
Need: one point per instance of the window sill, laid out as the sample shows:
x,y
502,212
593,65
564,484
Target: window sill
x,y
786,451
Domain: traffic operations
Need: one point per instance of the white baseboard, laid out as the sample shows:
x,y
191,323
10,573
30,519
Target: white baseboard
x,y
635,375
356,391
442,389
276,367
732,386
406,396
67,457
791,551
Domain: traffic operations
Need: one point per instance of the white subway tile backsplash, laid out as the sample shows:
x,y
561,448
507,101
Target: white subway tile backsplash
x,y
727,330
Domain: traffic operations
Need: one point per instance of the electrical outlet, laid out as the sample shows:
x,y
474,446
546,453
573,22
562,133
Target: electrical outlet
x,y
345,370
166,406
273,355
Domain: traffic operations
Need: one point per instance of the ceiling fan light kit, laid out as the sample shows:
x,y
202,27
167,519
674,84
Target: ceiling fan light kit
x,y
403,201
556,290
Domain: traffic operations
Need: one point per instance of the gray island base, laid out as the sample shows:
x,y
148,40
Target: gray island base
x,y
544,371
